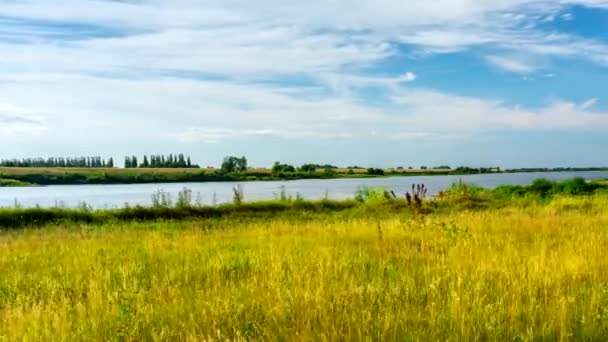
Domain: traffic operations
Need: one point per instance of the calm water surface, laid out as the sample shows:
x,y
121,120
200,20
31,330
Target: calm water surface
x,y
112,196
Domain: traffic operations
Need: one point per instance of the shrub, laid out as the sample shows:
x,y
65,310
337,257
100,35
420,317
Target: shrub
x,y
184,198
12,183
545,189
375,172
372,195
238,195
161,199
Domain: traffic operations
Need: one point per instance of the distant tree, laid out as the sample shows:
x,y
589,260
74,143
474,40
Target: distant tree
x,y
375,172
99,162
278,167
229,165
242,164
328,171
308,168
233,164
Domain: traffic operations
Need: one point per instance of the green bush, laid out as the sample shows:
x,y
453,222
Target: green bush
x,y
544,188
12,183
372,195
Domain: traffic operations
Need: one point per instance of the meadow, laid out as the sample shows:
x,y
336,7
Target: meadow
x,y
465,267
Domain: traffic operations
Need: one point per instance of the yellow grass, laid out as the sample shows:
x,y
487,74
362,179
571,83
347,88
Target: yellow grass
x,y
509,274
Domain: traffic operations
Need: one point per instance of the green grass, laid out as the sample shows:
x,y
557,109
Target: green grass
x,y
511,273
12,183
17,218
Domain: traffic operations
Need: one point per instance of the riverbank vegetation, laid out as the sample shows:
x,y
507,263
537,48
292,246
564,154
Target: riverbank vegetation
x,y
12,183
79,176
184,206
521,265
179,168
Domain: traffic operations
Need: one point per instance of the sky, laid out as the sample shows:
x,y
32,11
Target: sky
x,y
511,83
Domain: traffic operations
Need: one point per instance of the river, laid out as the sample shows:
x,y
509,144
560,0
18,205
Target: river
x,y
112,196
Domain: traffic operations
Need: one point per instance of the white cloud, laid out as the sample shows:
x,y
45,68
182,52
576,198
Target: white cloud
x,y
439,112
17,121
408,77
236,69
589,103
215,135
567,17
205,111
284,36
511,64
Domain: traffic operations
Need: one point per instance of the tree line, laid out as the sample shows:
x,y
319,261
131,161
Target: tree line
x,y
232,164
75,162
171,161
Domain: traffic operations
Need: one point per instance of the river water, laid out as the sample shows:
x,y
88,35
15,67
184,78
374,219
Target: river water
x,y
112,196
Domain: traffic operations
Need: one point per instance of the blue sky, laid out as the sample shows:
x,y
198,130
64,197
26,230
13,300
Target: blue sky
x,y
515,83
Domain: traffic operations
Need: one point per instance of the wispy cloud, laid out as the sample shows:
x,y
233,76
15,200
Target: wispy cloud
x,y
589,103
236,36
226,70
17,120
511,64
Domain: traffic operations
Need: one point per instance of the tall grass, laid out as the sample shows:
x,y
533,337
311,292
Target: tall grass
x,y
507,274
164,209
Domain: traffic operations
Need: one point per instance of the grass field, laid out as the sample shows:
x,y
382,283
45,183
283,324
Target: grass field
x,y
537,271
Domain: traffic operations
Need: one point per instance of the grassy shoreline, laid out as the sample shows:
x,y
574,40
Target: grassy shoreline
x,y
460,197
100,176
74,176
13,183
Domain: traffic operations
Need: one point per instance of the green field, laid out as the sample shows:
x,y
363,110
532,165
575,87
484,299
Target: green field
x,y
75,176
471,266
